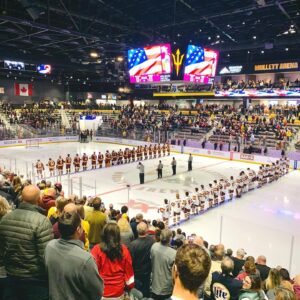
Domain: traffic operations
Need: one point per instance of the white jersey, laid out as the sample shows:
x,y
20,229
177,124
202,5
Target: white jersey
x,y
187,202
195,199
232,184
165,210
176,206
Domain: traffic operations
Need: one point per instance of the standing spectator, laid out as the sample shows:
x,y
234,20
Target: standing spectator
x,y
125,231
159,170
190,162
284,294
223,285
4,209
162,257
134,223
141,261
173,164
261,266
296,286
252,288
249,268
24,260
191,267
272,283
114,263
67,256
141,173
97,221
285,279
238,261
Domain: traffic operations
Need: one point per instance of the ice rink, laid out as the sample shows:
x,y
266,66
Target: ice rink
x,y
264,221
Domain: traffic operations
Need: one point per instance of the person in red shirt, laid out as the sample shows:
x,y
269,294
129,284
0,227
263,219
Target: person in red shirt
x,y
76,161
114,262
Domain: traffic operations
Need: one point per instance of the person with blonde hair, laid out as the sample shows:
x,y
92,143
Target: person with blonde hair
x,y
125,231
273,281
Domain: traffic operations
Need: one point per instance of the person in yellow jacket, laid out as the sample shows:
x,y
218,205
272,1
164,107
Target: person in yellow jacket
x,y
85,225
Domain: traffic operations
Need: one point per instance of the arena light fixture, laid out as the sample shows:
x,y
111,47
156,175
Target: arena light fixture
x,y
94,54
120,58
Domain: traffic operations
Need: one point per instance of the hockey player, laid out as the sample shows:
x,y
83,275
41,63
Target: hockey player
x,y
245,180
210,195
216,192
287,165
165,212
133,154
159,150
107,159
51,165
239,185
176,208
222,188
129,155
154,150
164,149
186,206
232,186
68,164
196,202
120,157
260,177
168,148
251,179
202,196
85,159
39,169
125,154
100,159
150,151
94,160
60,165
76,162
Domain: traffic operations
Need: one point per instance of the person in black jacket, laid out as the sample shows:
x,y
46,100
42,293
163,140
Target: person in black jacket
x,y
24,234
261,266
223,285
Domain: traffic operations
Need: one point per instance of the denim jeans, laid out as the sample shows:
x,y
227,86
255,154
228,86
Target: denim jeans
x,y
25,289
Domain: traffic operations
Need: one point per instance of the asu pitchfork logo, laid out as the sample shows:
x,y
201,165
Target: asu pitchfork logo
x,y
177,60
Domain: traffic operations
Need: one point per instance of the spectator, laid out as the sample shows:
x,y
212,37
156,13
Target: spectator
x,y
249,269
285,279
4,209
284,294
223,285
261,266
126,231
114,263
252,288
97,221
85,226
139,218
162,257
66,256
272,283
296,286
191,267
24,262
217,257
179,235
48,199
141,261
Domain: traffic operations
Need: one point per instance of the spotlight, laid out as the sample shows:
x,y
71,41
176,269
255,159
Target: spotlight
x,y
254,37
94,54
120,58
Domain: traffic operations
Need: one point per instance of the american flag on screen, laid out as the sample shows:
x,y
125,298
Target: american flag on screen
x,y
200,61
145,61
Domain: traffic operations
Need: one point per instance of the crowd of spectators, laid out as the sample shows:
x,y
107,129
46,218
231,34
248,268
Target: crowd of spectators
x,y
58,247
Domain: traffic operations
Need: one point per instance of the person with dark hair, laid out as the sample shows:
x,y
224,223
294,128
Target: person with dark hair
x,y
252,288
97,220
190,162
134,223
285,279
162,258
191,268
223,285
140,252
114,262
67,256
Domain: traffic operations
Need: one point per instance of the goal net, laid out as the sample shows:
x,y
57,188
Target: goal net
x,y
32,143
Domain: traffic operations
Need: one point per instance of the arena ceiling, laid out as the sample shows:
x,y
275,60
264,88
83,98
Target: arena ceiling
x,y
65,32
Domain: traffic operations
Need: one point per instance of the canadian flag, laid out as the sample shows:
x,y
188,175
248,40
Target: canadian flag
x,y
23,89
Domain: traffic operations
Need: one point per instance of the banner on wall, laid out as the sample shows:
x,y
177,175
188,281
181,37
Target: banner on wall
x,y
23,89
277,67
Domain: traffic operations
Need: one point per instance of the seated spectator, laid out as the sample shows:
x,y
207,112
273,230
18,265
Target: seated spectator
x,y
191,268
252,288
261,266
66,256
114,263
141,261
249,269
272,283
239,261
162,257
125,231
24,263
223,285
296,286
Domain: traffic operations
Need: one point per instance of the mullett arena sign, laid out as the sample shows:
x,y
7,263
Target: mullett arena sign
x,y
277,67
